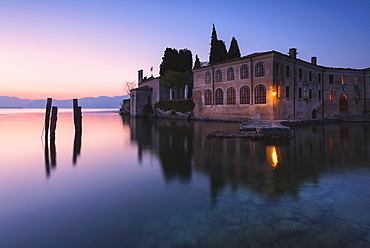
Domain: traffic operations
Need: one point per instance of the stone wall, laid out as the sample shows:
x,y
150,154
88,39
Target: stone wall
x,y
125,107
141,102
348,92
172,114
237,110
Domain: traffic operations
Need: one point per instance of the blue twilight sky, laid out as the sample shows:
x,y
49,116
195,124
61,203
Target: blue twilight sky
x,y
66,49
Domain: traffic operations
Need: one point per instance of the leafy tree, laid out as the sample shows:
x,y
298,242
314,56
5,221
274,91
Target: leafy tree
x,y
197,62
234,51
169,61
185,60
176,80
175,69
218,52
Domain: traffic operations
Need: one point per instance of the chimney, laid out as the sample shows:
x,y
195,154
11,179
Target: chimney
x,y
293,53
139,76
314,60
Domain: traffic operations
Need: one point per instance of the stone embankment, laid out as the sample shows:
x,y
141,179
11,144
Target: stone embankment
x,y
257,130
280,129
266,129
172,114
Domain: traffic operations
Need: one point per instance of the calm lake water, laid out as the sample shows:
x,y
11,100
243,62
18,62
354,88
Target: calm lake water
x,y
162,183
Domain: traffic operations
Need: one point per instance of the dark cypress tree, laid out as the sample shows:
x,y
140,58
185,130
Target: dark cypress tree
x,y
213,51
197,62
234,51
218,52
185,60
169,61
221,51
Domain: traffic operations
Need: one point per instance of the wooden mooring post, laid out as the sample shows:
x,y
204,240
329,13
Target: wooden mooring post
x,y
76,147
47,116
53,123
77,116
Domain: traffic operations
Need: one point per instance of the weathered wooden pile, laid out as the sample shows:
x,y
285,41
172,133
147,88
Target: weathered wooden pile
x,y
51,125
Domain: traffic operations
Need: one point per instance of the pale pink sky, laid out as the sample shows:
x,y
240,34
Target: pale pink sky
x,y
74,49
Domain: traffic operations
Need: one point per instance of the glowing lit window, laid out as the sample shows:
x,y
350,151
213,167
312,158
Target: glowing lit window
x,y
277,92
331,95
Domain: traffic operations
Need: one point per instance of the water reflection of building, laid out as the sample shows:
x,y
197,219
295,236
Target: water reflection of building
x,y
171,141
239,162
272,168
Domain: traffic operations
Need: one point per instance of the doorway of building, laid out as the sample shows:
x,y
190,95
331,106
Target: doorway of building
x,y
343,103
314,114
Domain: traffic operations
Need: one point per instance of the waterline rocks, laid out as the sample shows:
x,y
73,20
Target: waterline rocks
x,y
265,129
257,130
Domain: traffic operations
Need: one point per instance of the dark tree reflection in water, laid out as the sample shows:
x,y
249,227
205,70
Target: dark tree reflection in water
x,y
266,175
161,183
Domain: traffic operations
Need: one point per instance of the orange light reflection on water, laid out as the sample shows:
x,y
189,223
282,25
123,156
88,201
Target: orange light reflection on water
x,y
274,157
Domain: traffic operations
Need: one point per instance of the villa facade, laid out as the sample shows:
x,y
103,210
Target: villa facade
x,y
271,86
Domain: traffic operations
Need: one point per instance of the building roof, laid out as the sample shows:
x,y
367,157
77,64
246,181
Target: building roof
x,y
273,51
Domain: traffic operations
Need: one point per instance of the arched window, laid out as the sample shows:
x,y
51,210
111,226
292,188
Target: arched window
x,y
244,72
230,74
208,97
208,77
231,96
218,75
260,69
219,97
245,95
260,94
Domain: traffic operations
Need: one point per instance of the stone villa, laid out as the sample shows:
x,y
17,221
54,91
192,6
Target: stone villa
x,y
273,86
267,86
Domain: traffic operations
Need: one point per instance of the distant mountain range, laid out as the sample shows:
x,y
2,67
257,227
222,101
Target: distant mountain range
x,y
87,102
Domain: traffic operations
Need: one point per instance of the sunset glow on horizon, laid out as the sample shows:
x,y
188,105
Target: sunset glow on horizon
x,y
74,49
